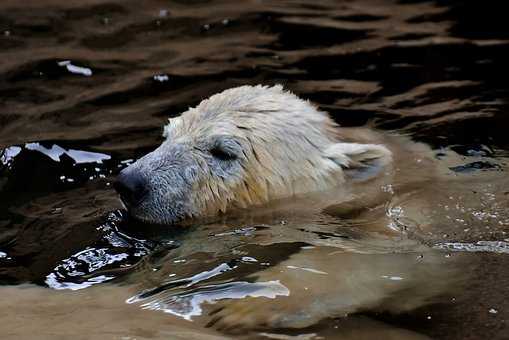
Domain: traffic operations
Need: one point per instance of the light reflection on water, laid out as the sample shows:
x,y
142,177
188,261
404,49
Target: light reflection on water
x,y
189,304
499,247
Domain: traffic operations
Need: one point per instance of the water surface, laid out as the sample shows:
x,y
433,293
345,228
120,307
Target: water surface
x,y
85,88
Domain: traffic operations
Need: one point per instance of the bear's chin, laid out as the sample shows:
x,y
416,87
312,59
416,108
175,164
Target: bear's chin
x,y
137,223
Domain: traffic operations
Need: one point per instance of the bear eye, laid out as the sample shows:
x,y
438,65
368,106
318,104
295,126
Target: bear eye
x,y
225,148
221,154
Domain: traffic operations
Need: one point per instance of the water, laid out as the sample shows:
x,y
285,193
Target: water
x,y
86,87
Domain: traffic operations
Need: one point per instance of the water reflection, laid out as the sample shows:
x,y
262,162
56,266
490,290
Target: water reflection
x,y
78,156
500,247
86,267
93,82
189,303
85,71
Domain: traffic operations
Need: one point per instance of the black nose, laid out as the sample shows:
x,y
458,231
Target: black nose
x,y
131,186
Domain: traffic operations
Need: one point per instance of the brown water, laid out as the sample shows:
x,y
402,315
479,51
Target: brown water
x,y
86,87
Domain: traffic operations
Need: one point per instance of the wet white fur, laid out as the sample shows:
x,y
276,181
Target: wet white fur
x,y
290,147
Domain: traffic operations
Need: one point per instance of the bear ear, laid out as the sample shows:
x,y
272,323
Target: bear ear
x,y
359,160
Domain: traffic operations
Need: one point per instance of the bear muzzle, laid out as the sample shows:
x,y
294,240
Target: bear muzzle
x,y
131,186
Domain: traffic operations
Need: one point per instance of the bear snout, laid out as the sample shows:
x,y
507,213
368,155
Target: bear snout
x,y
131,186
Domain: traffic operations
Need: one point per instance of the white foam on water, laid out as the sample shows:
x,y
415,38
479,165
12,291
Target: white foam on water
x,y
500,247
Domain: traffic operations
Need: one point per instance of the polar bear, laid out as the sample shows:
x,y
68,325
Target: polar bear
x,y
245,146
265,149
